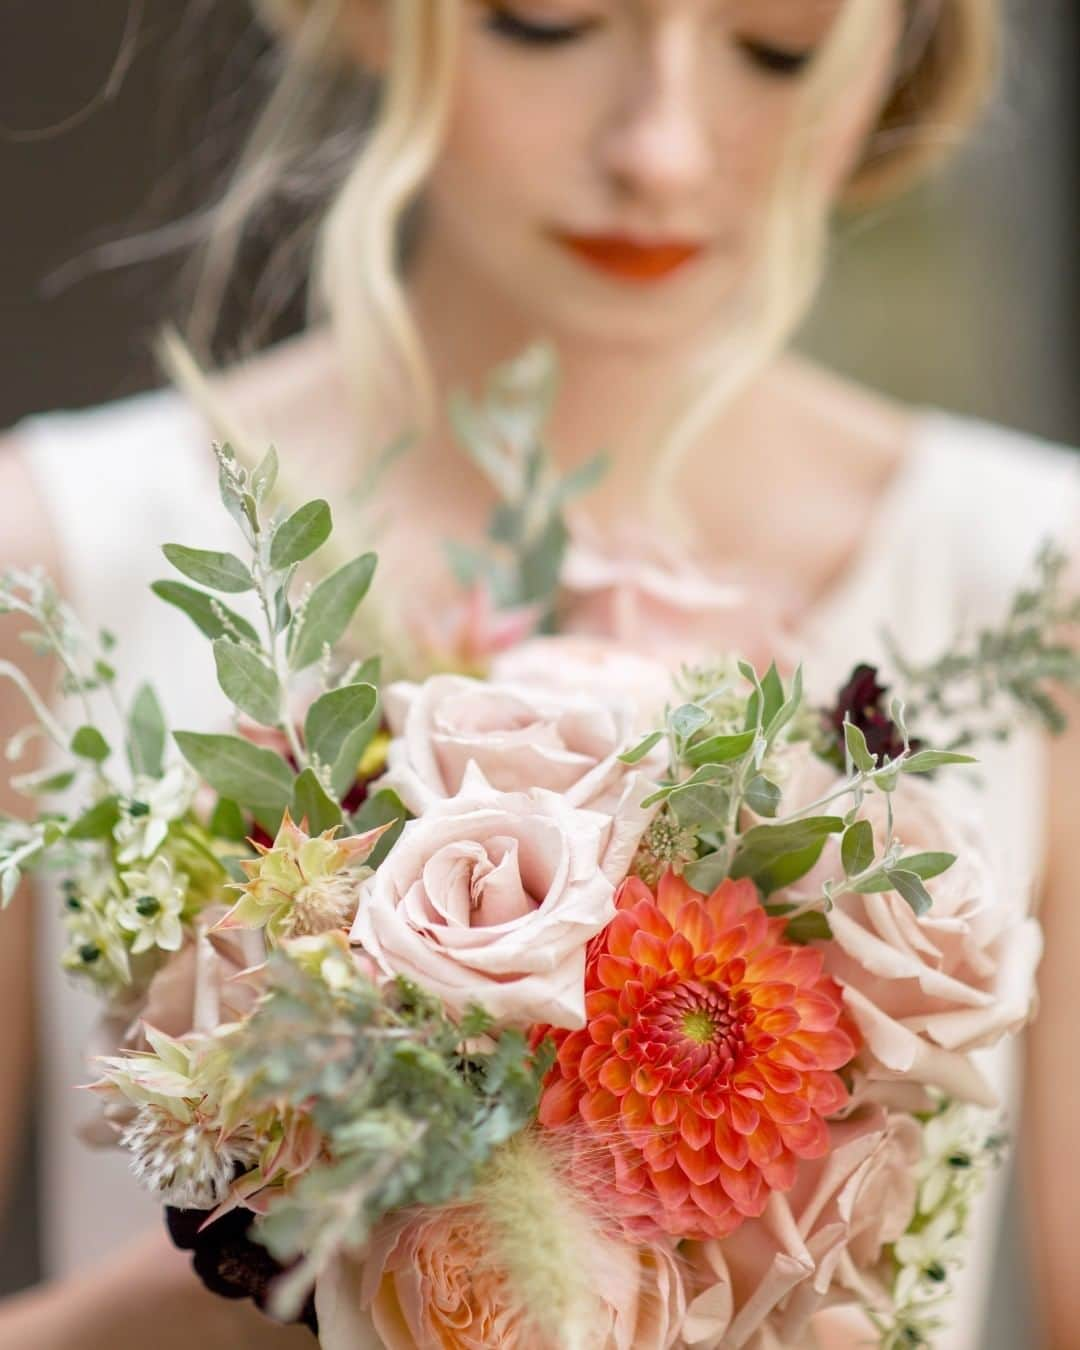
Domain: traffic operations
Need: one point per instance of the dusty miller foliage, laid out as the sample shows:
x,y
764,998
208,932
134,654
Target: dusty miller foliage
x,y
410,1103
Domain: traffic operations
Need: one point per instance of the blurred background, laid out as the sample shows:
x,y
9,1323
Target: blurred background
x,y
965,296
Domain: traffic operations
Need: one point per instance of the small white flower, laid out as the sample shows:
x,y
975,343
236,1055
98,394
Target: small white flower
x,y
153,907
147,814
97,947
959,1144
927,1257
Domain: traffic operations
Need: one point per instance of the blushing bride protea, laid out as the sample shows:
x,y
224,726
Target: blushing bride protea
x,y
708,1065
302,885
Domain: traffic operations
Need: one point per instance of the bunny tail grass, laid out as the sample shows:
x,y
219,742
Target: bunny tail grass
x,y
552,1252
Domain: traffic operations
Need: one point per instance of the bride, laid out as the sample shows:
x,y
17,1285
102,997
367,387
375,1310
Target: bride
x,y
649,185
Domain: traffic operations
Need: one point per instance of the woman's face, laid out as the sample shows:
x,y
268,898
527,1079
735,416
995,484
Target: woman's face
x,y
608,162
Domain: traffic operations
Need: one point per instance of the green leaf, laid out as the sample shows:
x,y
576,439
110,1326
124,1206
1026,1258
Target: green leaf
x,y
248,774
97,823
925,761
43,784
688,720
771,841
248,681
707,873
721,749
307,529
329,611
772,690
810,927
910,887
146,734
227,821
857,748
790,707
582,479
264,479
642,748
205,611
699,803
89,743
217,571
926,866
785,870
380,809
311,803
541,565
857,849
339,728
762,796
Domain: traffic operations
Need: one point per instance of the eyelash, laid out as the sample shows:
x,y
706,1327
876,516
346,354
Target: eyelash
x,y
508,25
773,61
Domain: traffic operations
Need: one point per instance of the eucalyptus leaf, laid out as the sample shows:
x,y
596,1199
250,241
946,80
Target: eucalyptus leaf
x,y
766,843
328,611
788,709
339,728
857,849
381,808
688,720
305,531
762,796
638,753
312,805
146,734
925,866
926,761
248,774
700,800
217,571
264,478
909,885
248,682
89,743
707,873
96,823
773,696
205,611
720,749
43,784
810,927
770,876
227,822
857,748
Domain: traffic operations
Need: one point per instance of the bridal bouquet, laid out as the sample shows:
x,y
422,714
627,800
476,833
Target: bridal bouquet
x,y
560,1000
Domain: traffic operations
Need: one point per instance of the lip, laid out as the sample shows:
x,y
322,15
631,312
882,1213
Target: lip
x,y
631,259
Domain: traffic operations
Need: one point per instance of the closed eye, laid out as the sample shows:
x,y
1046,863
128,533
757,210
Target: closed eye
x,y
777,60
506,24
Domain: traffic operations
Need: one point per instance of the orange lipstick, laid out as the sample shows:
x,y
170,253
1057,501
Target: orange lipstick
x,y
628,259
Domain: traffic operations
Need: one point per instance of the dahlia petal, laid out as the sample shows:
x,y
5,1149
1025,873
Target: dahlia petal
x,y
792,1109
825,1092
744,1115
807,1140
765,1145
745,1188
601,1003
806,966
705,966
731,942
620,933
614,971
615,1074
774,995
781,1173
558,1105
599,1108
635,1111
672,894
735,972
817,1012
646,1082
695,1129
680,954
593,1058
603,1030
712,1105
672,1186
647,950
829,1049
796,1056
778,1076
701,1165
650,920
659,1151
696,926
569,1053
768,965
631,1176
632,891
733,1148
778,1021
665,1109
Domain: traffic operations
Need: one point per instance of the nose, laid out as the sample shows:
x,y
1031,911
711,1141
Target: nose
x,y
656,144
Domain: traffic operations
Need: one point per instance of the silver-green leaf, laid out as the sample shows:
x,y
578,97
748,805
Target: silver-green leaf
x,y
297,538
338,728
857,850
246,773
217,571
146,734
208,614
329,611
248,682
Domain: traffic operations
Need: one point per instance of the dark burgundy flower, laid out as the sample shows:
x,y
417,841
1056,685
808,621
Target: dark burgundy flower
x,y
862,701
228,1261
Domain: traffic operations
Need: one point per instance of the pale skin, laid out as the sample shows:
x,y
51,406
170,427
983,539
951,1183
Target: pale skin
x,y
655,119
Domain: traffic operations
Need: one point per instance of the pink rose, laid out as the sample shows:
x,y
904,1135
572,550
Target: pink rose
x,y
491,898
927,991
599,667
814,1246
428,1280
519,738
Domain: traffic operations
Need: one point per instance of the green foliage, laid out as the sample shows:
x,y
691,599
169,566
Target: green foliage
x,y
326,614
313,804
208,614
338,728
248,681
89,743
245,773
216,571
297,538
408,1114
147,734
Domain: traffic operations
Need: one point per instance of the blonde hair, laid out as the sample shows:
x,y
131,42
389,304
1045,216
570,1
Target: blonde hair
x,y
947,65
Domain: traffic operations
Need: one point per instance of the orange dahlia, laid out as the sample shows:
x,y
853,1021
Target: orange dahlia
x,y
708,1063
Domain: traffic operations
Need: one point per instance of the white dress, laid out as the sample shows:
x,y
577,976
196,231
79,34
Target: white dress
x,y
953,538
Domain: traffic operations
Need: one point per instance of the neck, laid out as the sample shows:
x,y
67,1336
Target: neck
x,y
607,393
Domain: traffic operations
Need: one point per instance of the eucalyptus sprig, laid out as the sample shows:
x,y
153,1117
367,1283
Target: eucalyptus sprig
x,y
261,674
506,437
999,669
